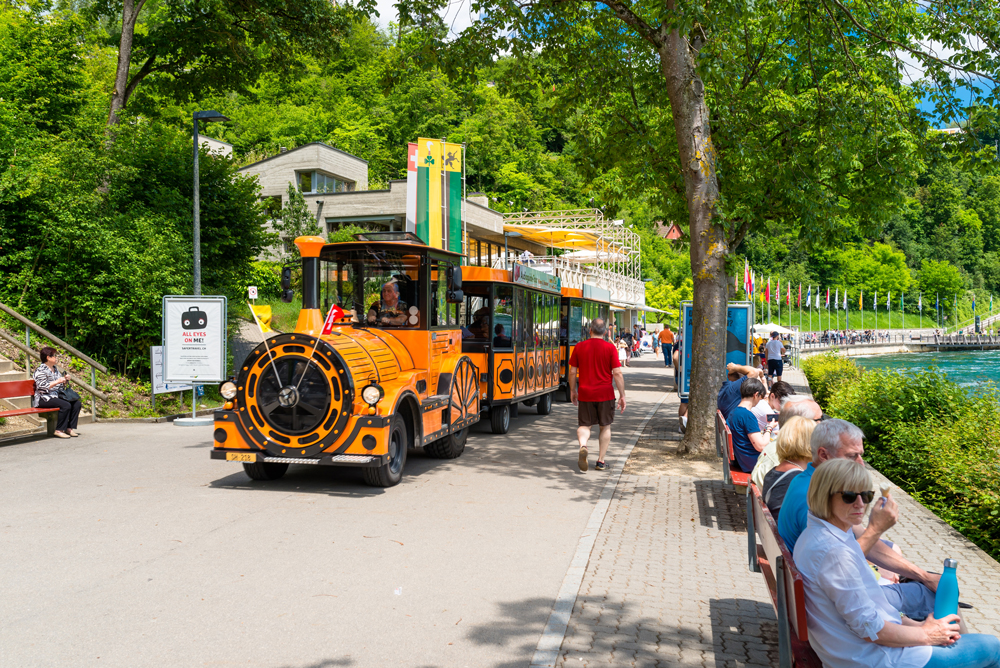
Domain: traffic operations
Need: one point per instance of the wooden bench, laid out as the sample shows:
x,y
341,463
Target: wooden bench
x,y
13,389
731,473
771,557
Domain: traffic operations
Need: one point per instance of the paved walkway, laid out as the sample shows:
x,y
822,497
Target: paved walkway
x,y
668,583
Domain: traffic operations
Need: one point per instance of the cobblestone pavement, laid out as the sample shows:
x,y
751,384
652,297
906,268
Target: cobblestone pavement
x,y
668,584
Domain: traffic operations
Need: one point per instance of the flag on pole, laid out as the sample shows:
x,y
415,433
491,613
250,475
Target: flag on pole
x,y
788,294
817,297
777,293
845,300
452,198
836,300
828,299
861,302
888,303
767,292
335,314
920,302
809,296
429,191
800,298
875,301
746,276
411,187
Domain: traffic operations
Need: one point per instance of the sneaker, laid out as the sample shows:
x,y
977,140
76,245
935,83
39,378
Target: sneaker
x,y
59,434
583,459
601,466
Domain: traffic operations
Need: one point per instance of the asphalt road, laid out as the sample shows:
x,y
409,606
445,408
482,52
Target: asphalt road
x,y
129,547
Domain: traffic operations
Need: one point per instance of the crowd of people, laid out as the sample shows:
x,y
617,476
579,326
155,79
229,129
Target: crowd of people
x,y
842,336
867,604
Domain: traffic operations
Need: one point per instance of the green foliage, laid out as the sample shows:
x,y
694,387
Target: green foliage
x,y
267,277
296,221
826,372
941,279
930,436
876,268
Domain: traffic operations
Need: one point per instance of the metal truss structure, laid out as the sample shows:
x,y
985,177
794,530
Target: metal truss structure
x,y
614,264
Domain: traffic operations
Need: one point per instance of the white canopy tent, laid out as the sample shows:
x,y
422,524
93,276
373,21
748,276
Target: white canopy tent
x,y
766,329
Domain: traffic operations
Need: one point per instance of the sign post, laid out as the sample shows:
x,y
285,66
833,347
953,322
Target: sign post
x,y
739,343
194,346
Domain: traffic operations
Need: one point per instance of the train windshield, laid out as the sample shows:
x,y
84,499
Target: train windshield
x,y
375,287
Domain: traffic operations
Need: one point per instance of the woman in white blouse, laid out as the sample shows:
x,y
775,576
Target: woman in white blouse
x,y
853,621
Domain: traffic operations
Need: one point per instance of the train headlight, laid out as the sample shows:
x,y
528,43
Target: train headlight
x,y
372,394
228,389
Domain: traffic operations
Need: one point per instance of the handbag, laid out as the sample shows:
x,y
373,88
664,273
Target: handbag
x,y
67,393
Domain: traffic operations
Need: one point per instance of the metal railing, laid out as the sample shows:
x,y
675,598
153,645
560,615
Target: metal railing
x,y
960,339
30,354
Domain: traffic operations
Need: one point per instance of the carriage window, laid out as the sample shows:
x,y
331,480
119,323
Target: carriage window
x,y
503,317
575,322
519,318
443,314
563,321
475,318
374,288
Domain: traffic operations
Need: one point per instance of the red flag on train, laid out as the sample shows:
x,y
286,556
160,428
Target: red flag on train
x,y
335,314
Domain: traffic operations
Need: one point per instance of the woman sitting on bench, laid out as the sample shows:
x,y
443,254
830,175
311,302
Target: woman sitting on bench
x,y
853,621
48,382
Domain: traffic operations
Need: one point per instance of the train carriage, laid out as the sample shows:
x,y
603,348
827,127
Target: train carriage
x,y
415,357
578,307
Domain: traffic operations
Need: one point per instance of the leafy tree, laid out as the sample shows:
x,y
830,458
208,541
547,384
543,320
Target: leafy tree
x,y
739,115
877,268
942,279
296,221
211,45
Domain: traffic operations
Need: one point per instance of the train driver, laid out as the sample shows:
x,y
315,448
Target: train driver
x,y
480,327
390,310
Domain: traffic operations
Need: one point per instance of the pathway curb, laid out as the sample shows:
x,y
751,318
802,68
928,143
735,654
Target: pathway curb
x,y
547,651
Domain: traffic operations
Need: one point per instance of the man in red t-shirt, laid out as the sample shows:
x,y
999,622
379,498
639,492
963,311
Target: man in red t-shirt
x,y
594,363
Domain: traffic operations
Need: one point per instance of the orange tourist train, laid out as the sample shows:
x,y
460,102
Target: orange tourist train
x,y
422,348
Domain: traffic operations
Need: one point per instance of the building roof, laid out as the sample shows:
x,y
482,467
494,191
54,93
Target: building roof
x,y
297,148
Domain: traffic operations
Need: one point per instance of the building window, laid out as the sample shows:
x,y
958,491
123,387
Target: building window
x,y
272,205
318,182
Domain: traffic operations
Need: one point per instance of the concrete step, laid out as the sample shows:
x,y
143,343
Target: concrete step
x,y
6,365
11,375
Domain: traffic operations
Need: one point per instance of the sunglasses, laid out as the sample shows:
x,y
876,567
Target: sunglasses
x,y
850,497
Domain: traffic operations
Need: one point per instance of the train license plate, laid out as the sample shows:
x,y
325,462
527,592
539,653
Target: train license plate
x,y
241,457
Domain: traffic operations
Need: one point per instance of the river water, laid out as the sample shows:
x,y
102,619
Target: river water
x,y
964,367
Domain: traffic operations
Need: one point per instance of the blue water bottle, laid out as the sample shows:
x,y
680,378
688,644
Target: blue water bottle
x,y
946,598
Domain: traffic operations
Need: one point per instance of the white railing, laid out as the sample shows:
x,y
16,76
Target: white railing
x,y
625,291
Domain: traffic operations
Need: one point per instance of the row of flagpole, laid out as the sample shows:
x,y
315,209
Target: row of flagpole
x,y
751,289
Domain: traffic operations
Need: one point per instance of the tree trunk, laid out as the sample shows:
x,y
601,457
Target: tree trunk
x,y
119,94
709,247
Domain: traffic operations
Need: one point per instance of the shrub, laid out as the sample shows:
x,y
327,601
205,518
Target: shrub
x,y
826,372
267,277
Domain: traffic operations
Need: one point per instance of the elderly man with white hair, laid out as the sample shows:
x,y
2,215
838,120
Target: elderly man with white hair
x,y
840,439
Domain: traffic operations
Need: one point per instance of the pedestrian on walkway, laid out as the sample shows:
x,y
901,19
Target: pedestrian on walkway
x,y
775,352
666,339
593,367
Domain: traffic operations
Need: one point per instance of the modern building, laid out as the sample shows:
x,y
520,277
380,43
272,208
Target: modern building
x,y
334,184
594,251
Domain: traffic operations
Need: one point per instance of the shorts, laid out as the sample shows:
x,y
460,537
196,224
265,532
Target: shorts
x,y
600,413
775,367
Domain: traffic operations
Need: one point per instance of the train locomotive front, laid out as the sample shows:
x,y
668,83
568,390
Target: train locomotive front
x,y
370,388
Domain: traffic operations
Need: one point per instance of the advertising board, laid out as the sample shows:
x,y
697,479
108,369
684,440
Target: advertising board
x,y
739,343
194,339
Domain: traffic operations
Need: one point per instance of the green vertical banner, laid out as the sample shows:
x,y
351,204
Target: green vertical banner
x,y
423,194
453,186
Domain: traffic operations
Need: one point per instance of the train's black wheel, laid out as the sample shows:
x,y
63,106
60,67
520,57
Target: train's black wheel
x,y
500,419
265,470
545,404
449,447
390,473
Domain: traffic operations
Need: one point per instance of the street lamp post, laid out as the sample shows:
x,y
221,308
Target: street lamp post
x,y
207,116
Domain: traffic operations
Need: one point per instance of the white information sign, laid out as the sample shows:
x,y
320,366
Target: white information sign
x,y
160,387
194,339
252,291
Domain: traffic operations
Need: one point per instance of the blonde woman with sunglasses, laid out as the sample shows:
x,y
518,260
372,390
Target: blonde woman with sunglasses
x,y
853,621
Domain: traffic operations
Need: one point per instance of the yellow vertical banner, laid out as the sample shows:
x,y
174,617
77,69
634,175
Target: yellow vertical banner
x,y
430,158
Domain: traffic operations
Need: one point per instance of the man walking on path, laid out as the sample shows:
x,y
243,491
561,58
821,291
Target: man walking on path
x,y
775,352
666,338
594,363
